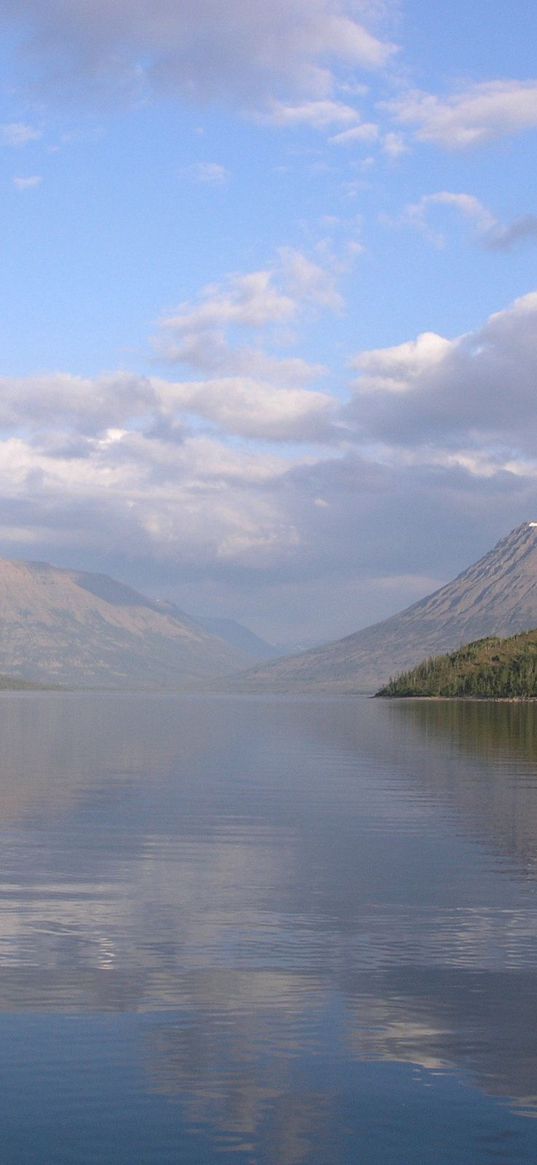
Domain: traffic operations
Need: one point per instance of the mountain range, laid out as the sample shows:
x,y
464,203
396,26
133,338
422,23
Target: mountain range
x,y
233,633
73,628
495,596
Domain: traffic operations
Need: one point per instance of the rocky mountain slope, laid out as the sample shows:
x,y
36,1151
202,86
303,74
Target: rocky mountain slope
x,y
495,596
69,627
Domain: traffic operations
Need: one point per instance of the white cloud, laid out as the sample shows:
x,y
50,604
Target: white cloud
x,y
164,469
245,50
250,389
475,393
467,205
490,232
316,114
203,333
441,434
521,230
367,132
210,353
394,369
473,117
65,402
254,409
201,504
63,415
310,283
248,301
394,146
119,462
207,173
17,133
28,183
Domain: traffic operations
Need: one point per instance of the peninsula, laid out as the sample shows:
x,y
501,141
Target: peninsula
x,y
491,668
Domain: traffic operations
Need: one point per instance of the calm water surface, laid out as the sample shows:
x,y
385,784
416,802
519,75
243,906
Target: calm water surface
x,y
264,932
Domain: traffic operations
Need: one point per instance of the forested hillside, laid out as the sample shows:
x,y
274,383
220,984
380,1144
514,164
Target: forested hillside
x,y
490,668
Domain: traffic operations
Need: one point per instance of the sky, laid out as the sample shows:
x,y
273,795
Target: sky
x,y
269,297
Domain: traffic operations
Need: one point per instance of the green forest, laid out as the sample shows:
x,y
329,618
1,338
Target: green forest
x,y
491,668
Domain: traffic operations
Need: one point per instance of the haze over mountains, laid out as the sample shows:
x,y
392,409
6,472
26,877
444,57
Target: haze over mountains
x,y
70,627
235,634
74,628
495,596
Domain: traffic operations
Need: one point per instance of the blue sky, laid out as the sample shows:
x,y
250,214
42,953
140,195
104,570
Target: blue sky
x,y
269,323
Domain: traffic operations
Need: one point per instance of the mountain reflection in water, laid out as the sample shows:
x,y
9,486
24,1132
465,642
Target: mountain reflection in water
x,y
267,930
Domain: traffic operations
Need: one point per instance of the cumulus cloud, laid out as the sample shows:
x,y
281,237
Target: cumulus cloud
x,y
201,503
255,409
209,523
248,301
166,479
227,335
203,333
64,414
122,464
473,117
244,51
64,402
165,470
393,369
472,393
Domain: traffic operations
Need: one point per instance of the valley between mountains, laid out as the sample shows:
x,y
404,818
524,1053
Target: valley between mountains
x,y
76,629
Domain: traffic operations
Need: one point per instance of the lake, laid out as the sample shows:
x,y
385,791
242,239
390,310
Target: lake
x,y
267,931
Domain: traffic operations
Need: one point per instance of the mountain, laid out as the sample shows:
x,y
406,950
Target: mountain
x,y
229,630
74,628
490,668
495,596
238,636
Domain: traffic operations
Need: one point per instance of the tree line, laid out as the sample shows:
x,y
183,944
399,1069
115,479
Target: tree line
x,y
488,668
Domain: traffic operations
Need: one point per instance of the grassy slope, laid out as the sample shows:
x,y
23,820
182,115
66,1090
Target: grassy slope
x,y
491,668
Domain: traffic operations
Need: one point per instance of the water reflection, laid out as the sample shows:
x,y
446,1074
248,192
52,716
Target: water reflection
x,y
284,899
485,763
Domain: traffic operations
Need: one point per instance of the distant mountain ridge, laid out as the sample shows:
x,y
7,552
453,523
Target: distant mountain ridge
x,y
74,628
495,596
229,630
